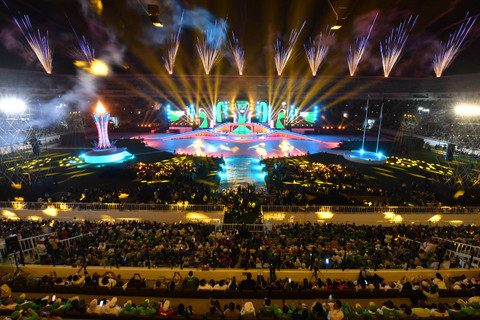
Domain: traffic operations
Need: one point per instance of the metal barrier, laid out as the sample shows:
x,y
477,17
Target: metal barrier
x,y
371,209
249,227
28,245
80,206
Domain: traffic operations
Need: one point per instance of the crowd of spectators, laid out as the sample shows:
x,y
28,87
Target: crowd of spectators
x,y
288,246
423,295
166,170
302,182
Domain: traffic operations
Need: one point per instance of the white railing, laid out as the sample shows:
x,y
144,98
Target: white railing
x,y
28,245
98,206
249,227
371,209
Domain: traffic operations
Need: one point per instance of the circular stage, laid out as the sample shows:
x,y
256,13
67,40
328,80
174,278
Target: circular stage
x,y
365,157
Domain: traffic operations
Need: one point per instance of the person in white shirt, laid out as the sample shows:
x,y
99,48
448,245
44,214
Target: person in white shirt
x,y
111,307
204,285
221,285
106,281
334,311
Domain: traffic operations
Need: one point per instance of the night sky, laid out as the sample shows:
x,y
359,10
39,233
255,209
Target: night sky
x,y
123,28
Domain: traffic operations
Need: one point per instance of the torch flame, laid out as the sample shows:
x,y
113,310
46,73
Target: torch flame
x,y
100,108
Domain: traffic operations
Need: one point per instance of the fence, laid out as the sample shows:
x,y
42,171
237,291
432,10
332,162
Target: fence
x,y
108,206
249,227
371,209
468,254
28,245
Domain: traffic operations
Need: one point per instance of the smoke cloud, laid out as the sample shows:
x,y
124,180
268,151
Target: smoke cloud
x,y
196,18
10,37
87,85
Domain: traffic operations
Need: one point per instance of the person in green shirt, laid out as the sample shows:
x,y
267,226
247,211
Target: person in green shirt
x,y
266,310
24,315
388,310
129,309
190,281
282,313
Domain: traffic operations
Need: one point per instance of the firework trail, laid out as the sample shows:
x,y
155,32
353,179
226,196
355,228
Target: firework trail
x,y
209,49
238,54
84,52
282,55
316,53
392,49
173,45
355,55
449,50
39,44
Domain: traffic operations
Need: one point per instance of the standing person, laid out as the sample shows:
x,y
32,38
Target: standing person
x,y
41,250
190,281
54,248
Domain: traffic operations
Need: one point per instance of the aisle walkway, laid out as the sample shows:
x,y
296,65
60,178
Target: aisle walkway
x,y
241,171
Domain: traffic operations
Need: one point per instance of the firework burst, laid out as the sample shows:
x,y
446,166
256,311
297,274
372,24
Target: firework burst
x,y
450,50
316,52
282,55
209,48
392,49
173,46
238,54
355,54
39,44
84,52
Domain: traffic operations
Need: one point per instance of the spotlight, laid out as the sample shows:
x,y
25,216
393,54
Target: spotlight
x,y
153,13
467,110
12,106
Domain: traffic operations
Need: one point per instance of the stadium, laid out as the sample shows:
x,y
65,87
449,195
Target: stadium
x,y
224,159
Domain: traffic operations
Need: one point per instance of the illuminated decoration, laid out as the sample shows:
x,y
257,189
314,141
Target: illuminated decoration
x,y
101,121
467,110
242,170
10,215
175,115
50,211
363,156
292,113
104,152
325,215
262,112
435,218
241,114
202,119
221,111
280,121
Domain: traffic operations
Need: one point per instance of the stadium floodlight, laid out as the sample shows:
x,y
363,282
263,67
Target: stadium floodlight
x,y
12,105
469,110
